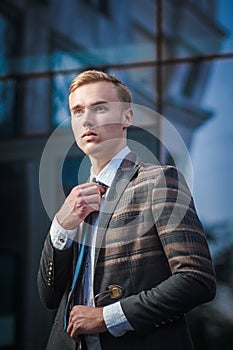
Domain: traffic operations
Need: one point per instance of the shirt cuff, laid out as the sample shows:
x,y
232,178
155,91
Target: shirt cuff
x,y
61,239
115,320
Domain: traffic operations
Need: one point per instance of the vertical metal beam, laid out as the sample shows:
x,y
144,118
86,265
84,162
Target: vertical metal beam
x,y
159,54
159,73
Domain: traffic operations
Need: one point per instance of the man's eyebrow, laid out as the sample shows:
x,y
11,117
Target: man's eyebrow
x,y
98,103
73,108
92,104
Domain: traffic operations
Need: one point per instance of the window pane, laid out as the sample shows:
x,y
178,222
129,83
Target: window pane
x,y
198,102
8,31
213,161
35,111
7,100
193,27
224,15
61,113
141,82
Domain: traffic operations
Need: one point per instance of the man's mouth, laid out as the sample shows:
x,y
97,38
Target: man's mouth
x,y
88,134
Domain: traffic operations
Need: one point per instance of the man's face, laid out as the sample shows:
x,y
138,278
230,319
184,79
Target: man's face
x,y
99,121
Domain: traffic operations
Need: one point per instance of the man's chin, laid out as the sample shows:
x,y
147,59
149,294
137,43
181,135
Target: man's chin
x,y
92,149
98,150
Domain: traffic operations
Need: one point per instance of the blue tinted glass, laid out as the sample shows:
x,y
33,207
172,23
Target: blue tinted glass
x,y
213,192
212,149
196,27
7,87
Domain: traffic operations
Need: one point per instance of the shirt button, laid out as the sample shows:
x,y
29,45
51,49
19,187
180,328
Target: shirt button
x,y
62,240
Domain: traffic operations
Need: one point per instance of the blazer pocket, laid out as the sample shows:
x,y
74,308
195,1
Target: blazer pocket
x,y
126,218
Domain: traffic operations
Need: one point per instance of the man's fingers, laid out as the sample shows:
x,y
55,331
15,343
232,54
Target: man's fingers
x,y
69,328
101,189
93,191
73,333
86,320
82,200
90,188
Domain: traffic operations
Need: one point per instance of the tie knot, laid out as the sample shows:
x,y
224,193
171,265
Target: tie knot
x,y
104,187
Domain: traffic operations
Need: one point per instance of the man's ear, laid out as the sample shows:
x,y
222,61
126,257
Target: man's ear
x,y
127,118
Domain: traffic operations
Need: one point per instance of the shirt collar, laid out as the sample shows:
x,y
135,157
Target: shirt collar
x,y
108,173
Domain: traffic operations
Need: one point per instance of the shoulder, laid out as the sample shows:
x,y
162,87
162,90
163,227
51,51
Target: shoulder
x,y
155,171
163,176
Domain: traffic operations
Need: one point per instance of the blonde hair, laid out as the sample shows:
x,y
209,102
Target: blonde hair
x,y
92,76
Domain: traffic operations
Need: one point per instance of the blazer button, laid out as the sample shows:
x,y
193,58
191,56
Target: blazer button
x,y
116,291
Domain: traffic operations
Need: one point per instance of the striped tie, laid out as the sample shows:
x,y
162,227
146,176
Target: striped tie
x,y
77,277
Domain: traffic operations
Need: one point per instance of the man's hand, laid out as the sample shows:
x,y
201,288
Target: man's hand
x,y
82,200
85,320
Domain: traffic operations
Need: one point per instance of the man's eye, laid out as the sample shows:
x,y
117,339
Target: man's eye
x,y
100,108
77,113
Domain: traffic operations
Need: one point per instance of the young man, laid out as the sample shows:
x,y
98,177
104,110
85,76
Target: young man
x,y
146,262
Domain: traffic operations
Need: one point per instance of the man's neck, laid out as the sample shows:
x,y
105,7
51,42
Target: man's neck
x,y
99,164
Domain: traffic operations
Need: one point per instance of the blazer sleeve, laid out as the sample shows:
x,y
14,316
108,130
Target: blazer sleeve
x,y
54,273
192,281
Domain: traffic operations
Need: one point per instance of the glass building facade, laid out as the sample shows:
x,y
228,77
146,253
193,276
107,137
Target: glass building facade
x,y
177,58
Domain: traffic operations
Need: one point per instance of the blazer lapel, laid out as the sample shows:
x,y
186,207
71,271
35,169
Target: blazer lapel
x,y
126,171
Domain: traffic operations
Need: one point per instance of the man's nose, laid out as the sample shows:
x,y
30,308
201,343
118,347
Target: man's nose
x,y
87,117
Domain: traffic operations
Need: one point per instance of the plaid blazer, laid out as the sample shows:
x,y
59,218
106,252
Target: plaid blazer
x,y
150,242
